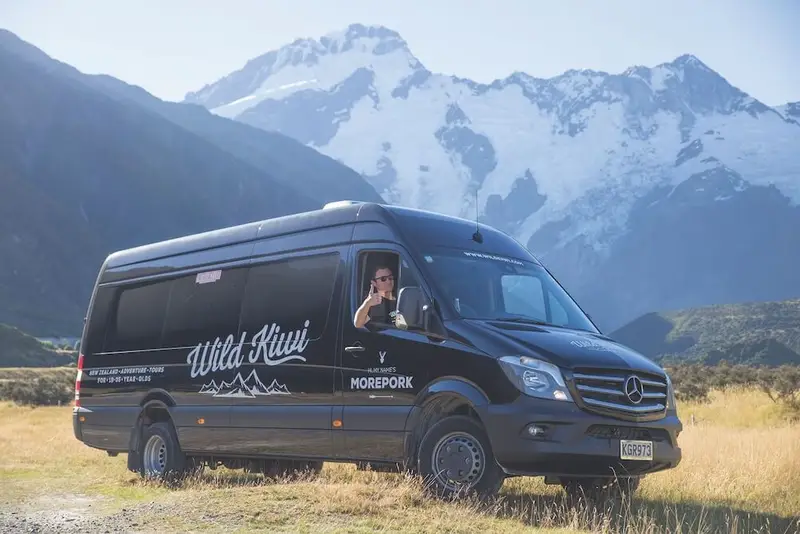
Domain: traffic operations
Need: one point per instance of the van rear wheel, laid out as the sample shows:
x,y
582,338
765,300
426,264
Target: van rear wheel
x,y
455,458
161,455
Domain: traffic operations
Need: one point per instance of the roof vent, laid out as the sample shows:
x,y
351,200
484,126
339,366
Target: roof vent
x,y
340,204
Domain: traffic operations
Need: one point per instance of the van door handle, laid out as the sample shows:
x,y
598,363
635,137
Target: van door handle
x,y
354,348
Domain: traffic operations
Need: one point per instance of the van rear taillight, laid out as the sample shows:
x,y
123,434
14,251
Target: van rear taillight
x,y
78,380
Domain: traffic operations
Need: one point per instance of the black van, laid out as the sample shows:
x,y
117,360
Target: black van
x,y
244,347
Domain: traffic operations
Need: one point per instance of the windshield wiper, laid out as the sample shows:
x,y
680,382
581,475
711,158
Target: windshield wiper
x,y
527,320
522,319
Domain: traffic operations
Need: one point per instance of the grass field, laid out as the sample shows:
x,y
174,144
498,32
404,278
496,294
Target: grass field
x,y
740,473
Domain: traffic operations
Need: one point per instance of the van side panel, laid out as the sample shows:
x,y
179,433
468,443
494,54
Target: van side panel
x,y
290,295
375,232
143,329
240,339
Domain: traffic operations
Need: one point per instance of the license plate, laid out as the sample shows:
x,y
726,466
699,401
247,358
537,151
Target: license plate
x,y
635,450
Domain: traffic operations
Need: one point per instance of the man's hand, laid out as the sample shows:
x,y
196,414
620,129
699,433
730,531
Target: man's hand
x,y
373,299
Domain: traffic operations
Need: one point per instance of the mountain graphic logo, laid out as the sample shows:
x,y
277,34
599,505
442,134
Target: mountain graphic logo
x,y
249,387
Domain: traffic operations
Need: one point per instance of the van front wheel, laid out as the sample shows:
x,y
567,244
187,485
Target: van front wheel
x,y
455,458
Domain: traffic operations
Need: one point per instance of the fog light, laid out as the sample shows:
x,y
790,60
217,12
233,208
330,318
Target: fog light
x,y
560,395
536,431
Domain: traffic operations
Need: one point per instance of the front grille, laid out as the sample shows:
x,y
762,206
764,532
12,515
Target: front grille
x,y
604,391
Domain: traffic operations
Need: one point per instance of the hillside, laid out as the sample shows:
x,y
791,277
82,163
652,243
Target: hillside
x,y
295,165
84,173
659,187
765,333
18,349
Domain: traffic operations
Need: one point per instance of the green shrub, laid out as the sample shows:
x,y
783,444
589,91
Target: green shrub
x,y
42,390
693,381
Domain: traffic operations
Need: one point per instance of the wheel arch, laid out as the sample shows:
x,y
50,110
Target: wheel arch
x,y
155,407
442,398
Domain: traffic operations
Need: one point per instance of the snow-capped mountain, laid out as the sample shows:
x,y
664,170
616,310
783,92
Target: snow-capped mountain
x,y
791,111
575,166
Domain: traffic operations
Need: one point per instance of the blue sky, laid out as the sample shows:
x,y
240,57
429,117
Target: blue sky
x,y
175,46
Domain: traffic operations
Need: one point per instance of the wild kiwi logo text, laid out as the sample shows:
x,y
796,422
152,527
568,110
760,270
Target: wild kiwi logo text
x,y
269,344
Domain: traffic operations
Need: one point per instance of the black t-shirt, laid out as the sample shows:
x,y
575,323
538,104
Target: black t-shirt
x,y
384,312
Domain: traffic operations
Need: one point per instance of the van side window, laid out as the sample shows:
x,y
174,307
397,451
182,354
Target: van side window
x,y
98,320
203,306
407,276
560,316
289,292
382,262
138,318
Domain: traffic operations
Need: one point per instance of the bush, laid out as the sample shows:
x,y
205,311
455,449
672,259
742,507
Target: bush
x,y
782,385
693,381
42,390
692,391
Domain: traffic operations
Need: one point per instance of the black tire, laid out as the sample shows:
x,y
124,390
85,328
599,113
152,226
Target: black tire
x,y
161,456
453,441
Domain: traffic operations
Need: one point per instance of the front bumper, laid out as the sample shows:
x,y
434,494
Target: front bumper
x,y
575,443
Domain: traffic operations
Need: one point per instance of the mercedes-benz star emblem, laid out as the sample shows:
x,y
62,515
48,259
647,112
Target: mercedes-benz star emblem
x,y
634,389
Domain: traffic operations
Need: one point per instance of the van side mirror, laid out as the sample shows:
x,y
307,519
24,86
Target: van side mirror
x,y
411,308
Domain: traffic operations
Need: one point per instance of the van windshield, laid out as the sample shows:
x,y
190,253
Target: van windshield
x,y
493,287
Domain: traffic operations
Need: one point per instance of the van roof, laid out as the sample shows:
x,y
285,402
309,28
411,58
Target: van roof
x,y
333,214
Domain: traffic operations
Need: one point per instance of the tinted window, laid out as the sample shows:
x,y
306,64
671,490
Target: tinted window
x,y
98,321
204,306
290,292
139,317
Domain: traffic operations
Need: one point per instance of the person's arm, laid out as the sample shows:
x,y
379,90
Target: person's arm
x,y
362,314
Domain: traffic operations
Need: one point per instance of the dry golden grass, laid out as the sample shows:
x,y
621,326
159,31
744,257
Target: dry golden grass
x,y
740,473
737,408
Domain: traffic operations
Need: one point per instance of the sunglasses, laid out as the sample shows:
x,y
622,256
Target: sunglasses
x,y
384,278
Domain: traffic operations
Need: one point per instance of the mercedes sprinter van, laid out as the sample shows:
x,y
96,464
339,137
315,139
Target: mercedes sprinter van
x,y
378,335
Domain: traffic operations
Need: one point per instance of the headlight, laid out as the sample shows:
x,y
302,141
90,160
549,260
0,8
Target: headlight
x,y
670,393
535,377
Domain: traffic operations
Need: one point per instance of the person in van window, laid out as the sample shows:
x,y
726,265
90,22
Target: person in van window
x,y
380,305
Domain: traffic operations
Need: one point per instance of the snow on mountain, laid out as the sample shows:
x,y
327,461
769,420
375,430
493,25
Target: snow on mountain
x,y
790,111
560,163
429,140
307,64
